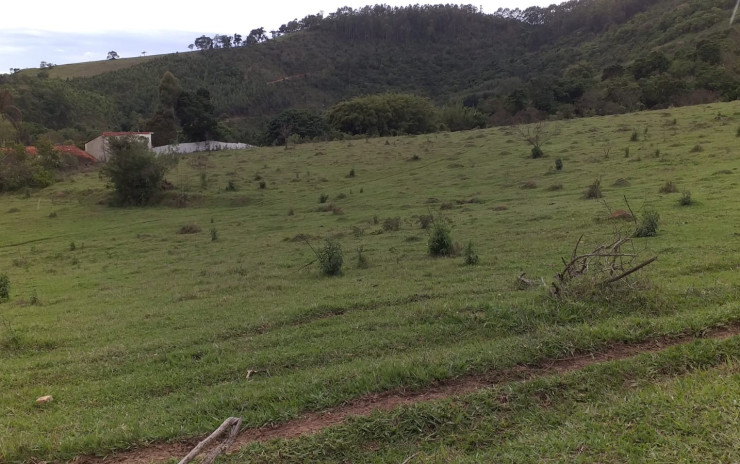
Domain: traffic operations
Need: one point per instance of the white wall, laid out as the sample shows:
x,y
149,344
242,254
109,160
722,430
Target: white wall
x,y
210,145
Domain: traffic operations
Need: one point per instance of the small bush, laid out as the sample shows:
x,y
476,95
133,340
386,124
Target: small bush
x,y
530,184
263,185
471,257
668,187
648,226
537,152
134,171
440,241
627,152
351,173
594,190
341,196
14,210
621,182
555,187
53,214
291,212
230,186
697,149
685,199
323,197
415,158
635,136
4,287
189,229
72,246
558,164
214,234
329,258
34,300
392,224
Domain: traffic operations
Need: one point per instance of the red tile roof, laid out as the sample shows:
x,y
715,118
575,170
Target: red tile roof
x,y
82,155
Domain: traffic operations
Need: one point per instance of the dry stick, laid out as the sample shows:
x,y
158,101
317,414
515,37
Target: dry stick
x,y
233,422
626,273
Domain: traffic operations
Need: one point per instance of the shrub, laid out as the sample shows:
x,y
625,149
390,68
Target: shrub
x,y
214,234
230,186
263,185
635,136
4,287
392,224
134,171
648,226
685,199
471,257
323,197
558,164
537,152
72,246
189,229
329,257
697,149
440,241
351,173
593,190
668,187
555,187
530,184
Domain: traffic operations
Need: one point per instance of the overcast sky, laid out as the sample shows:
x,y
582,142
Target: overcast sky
x,y
73,31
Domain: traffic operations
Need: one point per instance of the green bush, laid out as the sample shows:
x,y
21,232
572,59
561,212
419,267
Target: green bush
x,y
134,171
471,257
648,226
4,287
558,164
537,152
440,241
329,257
382,115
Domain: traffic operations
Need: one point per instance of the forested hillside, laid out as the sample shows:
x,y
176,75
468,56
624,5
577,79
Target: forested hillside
x,y
580,58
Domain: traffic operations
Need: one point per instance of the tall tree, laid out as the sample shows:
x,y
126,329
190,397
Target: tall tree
x,y
112,55
10,112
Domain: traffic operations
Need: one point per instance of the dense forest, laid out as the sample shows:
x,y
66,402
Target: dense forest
x,y
579,58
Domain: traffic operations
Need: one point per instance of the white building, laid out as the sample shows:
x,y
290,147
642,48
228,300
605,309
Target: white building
x,y
98,147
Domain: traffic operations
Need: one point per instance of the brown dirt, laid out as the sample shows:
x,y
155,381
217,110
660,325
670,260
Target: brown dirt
x,y
314,422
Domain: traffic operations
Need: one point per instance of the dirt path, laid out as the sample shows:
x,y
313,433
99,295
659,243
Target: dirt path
x,y
316,421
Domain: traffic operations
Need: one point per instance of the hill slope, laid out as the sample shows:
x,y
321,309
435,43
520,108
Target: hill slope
x,y
580,58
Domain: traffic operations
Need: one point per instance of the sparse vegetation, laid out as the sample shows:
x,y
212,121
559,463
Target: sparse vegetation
x,y
392,224
668,187
471,257
189,229
685,199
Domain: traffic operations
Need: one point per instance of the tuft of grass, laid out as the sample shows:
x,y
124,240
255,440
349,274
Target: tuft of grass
x,y
537,152
53,215
471,257
668,187
635,136
230,186
4,287
323,197
362,262
263,185
593,191
555,187
558,164
392,224
426,220
214,234
191,228
697,148
530,184
685,199
14,210
351,173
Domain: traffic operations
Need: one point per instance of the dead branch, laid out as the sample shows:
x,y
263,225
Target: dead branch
x,y
626,273
232,422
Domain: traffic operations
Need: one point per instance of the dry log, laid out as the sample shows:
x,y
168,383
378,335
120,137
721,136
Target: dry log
x,y
232,422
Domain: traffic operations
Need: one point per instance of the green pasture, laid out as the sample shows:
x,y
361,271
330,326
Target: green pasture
x,y
144,334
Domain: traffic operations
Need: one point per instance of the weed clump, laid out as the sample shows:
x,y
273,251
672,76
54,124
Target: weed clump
x,y
440,241
426,220
530,184
351,173
635,136
392,224
558,164
230,186
593,191
471,257
189,229
685,199
323,197
4,287
697,149
668,187
648,226
329,257
214,234
263,185
537,152
362,262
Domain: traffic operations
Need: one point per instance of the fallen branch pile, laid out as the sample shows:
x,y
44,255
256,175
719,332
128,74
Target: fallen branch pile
x,y
608,262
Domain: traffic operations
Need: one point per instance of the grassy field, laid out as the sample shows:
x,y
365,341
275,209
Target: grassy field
x,y
143,334
91,68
